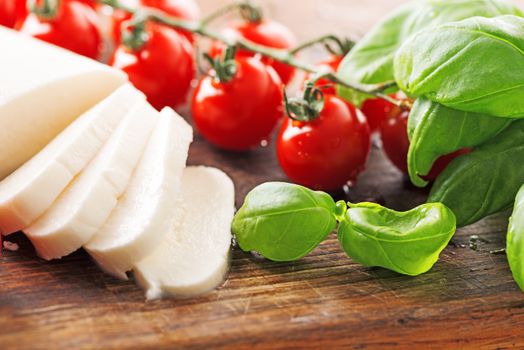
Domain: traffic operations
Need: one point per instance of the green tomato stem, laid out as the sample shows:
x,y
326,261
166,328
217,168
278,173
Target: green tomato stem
x,y
284,56
343,45
46,10
249,11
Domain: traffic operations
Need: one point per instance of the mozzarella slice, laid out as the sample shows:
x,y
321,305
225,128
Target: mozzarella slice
x,y
194,256
43,88
144,213
30,190
81,210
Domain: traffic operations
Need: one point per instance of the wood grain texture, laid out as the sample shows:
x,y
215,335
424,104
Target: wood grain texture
x,y
324,301
468,300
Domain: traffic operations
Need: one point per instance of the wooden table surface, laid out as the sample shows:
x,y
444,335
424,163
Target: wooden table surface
x,y
324,301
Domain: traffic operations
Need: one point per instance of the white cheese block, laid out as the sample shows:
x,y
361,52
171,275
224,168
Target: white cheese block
x,y
28,192
81,210
194,256
144,214
43,88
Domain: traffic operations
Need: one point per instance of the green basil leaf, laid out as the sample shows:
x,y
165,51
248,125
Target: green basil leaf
x,y
406,242
371,60
515,240
436,130
284,222
485,181
476,65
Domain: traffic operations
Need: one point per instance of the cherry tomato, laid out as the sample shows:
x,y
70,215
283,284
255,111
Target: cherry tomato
x,y
92,3
442,163
184,9
239,114
394,135
266,33
332,64
75,28
395,144
12,12
376,111
327,152
162,69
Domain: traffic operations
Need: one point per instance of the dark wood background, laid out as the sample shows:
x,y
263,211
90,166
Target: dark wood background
x,y
324,301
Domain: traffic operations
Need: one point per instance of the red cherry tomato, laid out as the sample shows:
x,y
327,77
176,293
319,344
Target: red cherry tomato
x,y
376,111
442,163
394,135
92,3
12,12
239,114
187,9
184,9
75,28
162,69
266,33
327,152
395,144
330,64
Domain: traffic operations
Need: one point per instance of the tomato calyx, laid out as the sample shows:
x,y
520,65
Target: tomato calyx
x,y
308,107
224,68
341,47
251,13
45,9
134,33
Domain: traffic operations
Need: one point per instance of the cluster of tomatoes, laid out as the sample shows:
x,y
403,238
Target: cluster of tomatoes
x,y
237,113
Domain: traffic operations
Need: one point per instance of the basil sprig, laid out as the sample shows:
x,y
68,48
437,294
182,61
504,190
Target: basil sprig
x,y
515,240
485,181
406,242
435,130
371,60
284,222
475,65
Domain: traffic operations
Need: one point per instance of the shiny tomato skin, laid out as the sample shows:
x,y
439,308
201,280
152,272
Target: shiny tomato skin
x,y
327,152
238,115
12,12
442,163
376,111
331,63
91,3
183,9
266,33
76,28
186,9
394,136
162,69
395,143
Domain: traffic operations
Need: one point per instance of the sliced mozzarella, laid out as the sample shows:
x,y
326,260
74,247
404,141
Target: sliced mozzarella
x,y
43,88
144,213
31,189
81,210
194,256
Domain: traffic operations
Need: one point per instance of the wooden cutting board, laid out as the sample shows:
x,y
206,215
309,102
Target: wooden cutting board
x,y
324,301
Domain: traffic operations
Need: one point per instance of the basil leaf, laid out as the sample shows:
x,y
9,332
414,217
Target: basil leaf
x,y
515,240
284,222
476,65
485,181
406,242
371,60
436,130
